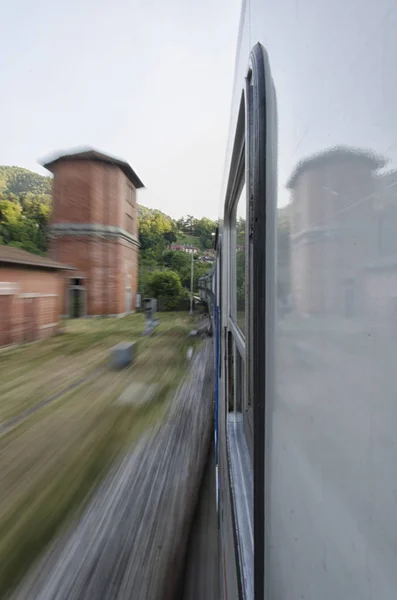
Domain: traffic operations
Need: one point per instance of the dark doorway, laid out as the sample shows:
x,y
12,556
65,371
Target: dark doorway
x,y
76,302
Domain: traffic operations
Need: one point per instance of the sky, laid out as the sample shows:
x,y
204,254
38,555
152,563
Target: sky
x,y
148,81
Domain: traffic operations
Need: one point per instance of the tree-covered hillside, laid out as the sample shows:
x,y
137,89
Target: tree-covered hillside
x,y
25,208
16,180
157,232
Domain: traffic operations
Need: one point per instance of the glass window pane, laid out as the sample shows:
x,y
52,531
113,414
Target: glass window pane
x,y
240,251
239,380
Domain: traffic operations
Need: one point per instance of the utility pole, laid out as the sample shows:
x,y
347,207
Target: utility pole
x,y
191,286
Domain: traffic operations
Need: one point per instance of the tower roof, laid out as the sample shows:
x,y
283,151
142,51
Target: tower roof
x,y
336,155
93,155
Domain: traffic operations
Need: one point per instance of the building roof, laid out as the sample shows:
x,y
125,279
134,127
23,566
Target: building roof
x,y
16,256
336,155
93,155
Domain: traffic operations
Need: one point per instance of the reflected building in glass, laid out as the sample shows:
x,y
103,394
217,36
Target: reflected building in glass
x,y
343,215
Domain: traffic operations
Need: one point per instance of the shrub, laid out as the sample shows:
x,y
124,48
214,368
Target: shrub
x,y
164,284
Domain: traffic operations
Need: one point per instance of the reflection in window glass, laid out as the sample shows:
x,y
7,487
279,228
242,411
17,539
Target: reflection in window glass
x,y
240,260
238,378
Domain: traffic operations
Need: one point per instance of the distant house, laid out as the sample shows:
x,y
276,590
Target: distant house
x,y
208,256
185,248
31,295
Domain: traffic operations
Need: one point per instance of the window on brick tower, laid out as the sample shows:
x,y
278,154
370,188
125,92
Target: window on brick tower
x,y
129,225
130,194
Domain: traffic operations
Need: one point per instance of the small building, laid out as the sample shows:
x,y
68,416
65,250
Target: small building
x,y
209,256
31,289
187,248
94,227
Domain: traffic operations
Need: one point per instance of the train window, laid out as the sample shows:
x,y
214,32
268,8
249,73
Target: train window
x,y
235,280
239,380
249,230
230,372
239,219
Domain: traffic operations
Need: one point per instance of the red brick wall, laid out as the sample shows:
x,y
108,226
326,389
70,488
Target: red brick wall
x,y
32,310
129,259
91,192
127,275
72,192
96,173
114,192
108,266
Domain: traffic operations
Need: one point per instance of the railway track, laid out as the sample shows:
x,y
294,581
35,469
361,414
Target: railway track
x,y
132,539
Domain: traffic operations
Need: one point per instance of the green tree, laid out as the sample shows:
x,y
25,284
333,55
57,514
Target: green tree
x,y
189,224
10,220
24,225
38,211
176,260
156,231
147,264
10,212
25,199
205,228
165,285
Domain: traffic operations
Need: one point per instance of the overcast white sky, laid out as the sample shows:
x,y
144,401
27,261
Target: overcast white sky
x,y
148,81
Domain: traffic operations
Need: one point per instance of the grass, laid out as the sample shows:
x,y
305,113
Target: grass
x,y
29,374
50,464
191,240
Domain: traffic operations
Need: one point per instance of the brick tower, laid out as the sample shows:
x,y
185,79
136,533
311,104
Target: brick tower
x,y
94,228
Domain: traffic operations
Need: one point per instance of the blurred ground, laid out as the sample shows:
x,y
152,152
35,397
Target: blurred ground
x,y
131,538
52,460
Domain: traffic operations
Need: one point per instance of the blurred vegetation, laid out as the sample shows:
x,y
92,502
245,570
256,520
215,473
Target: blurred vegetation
x,y
25,208
165,284
52,461
16,180
157,232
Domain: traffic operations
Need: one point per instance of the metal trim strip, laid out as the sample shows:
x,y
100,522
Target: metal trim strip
x,y
241,478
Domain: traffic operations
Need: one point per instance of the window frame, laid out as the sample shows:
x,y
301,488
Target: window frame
x,y
236,184
254,162
239,422
262,180
233,196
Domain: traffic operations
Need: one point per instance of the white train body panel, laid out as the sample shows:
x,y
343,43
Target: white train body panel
x,y
330,433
